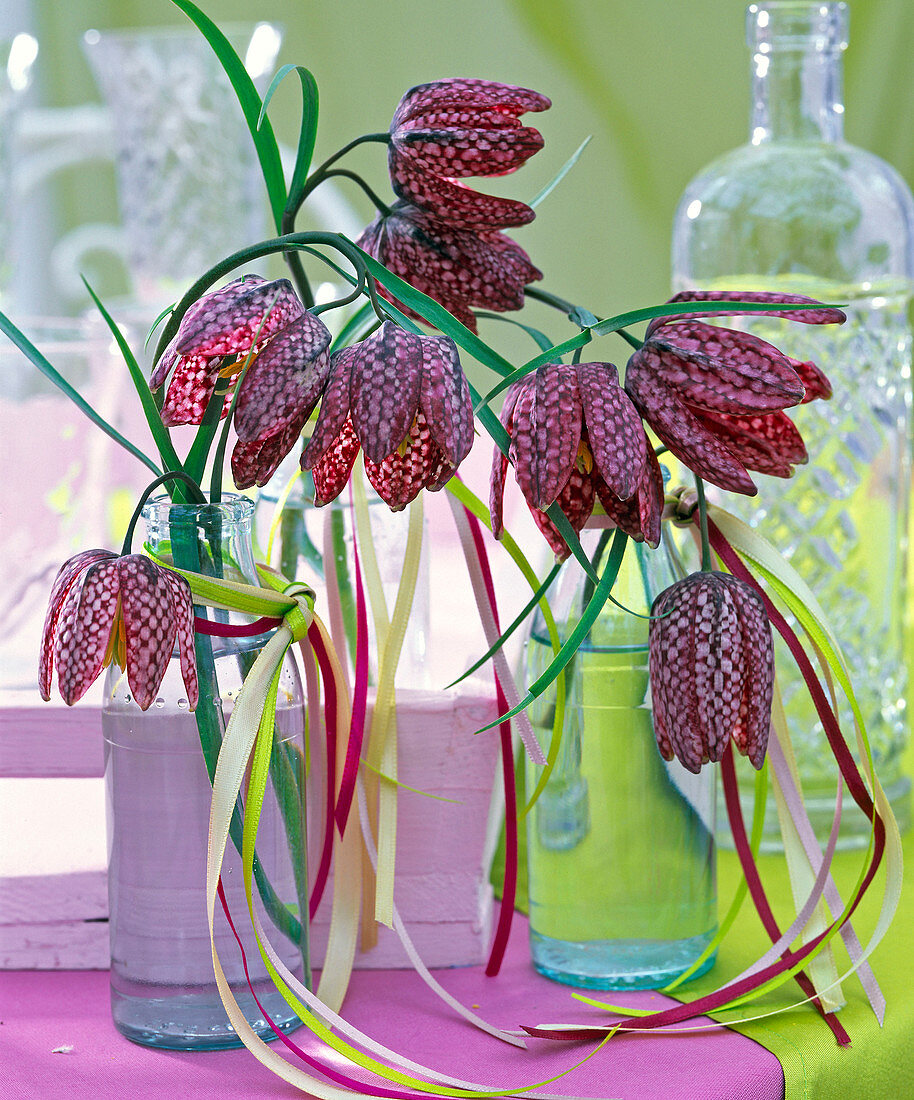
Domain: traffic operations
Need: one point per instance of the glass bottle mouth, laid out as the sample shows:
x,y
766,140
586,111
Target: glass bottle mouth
x,y
797,24
233,509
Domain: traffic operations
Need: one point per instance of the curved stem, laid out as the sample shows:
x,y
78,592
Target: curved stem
x,y
172,475
549,299
287,223
632,341
382,206
706,564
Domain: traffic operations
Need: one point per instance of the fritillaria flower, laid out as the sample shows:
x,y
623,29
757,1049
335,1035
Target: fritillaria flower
x,y
451,129
576,438
262,325
403,399
711,670
715,396
462,269
103,608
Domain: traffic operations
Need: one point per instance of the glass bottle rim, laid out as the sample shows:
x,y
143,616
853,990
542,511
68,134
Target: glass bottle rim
x,y
232,508
807,25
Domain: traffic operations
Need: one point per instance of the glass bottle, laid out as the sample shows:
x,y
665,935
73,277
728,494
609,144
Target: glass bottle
x,y
158,793
800,210
620,843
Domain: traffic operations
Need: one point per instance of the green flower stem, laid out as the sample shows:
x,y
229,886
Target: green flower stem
x,y
344,173
320,173
343,583
539,295
706,564
290,213
285,773
211,725
632,341
175,475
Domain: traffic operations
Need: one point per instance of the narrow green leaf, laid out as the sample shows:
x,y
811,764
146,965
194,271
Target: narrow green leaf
x,y
155,324
159,432
562,172
568,533
251,104
577,635
490,653
306,138
53,375
195,463
623,320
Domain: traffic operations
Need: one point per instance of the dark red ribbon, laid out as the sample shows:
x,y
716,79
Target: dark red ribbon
x,y
230,630
509,883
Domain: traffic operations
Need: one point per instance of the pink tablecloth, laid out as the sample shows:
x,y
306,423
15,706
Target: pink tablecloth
x,y
41,1012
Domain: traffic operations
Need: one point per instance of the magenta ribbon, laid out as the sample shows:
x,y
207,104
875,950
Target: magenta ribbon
x,y
509,883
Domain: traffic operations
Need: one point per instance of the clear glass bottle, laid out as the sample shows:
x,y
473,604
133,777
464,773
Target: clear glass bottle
x,y
296,537
800,210
620,844
158,792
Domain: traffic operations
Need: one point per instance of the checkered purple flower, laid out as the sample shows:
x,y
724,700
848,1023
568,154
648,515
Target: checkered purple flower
x,y
711,670
715,396
404,401
451,129
576,438
289,361
463,269
103,608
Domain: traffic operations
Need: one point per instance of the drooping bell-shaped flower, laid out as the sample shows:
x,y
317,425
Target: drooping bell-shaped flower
x,y
576,438
711,670
463,269
451,129
105,607
261,325
715,396
404,401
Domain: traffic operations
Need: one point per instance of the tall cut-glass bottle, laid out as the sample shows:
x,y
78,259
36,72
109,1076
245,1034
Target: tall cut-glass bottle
x,y
800,210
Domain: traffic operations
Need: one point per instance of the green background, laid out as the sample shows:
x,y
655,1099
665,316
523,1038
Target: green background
x,y
661,85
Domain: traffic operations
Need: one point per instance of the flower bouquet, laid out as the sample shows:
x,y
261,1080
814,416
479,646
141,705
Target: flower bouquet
x,y
253,364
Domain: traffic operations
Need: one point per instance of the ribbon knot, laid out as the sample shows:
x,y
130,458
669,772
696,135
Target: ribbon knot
x,y
299,618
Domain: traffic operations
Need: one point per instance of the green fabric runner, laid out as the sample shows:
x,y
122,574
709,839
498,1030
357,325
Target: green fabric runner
x,y
879,1063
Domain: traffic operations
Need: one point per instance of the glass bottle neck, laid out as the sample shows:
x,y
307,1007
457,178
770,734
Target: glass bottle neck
x,y
796,96
797,86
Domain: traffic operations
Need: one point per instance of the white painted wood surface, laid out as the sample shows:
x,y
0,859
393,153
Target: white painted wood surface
x,y
53,898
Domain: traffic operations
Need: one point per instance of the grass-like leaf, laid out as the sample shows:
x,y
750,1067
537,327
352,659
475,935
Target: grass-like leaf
x,y
251,104
53,375
562,172
506,634
578,634
158,430
307,132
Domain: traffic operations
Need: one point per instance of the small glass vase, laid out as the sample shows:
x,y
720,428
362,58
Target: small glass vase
x,y
620,843
158,767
